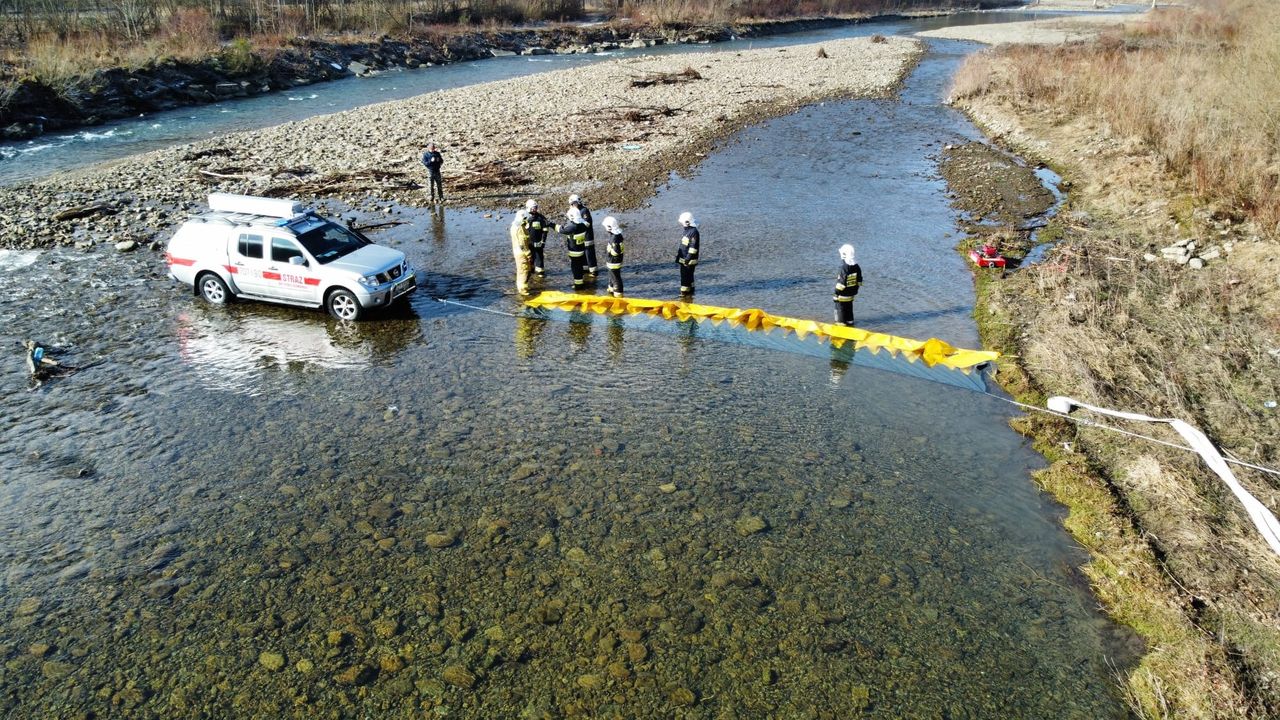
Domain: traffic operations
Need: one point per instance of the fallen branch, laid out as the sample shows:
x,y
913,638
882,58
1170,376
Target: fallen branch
x,y
632,113
489,175
688,74
211,152
223,176
346,182
83,211
376,226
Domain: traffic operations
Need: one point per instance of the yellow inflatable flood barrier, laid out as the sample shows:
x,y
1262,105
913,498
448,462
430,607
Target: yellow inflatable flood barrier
x,y
931,352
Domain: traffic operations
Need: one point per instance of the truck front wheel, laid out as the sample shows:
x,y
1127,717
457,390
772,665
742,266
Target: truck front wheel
x,y
213,289
343,305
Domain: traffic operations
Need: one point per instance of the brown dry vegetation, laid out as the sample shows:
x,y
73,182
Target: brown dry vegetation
x,y
1167,131
56,40
1200,88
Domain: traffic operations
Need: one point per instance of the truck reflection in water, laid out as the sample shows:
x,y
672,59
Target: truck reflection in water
x,y
266,350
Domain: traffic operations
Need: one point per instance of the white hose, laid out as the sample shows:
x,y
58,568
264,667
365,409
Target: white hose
x,y
1262,518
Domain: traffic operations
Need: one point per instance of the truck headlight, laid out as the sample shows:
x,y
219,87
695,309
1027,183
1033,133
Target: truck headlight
x,y
370,281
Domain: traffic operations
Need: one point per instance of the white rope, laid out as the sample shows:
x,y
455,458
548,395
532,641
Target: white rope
x,y
1130,433
474,307
1263,519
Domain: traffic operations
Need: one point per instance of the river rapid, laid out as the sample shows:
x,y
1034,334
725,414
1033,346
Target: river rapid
x,y
257,511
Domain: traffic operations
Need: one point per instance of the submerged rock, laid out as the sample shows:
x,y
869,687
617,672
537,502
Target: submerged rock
x,y
750,525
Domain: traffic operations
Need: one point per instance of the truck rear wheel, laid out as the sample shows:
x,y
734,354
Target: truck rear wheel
x,y
343,305
213,289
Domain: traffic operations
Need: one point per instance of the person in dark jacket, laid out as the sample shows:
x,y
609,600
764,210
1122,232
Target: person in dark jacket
x,y
575,241
576,202
848,280
687,252
613,255
433,161
538,229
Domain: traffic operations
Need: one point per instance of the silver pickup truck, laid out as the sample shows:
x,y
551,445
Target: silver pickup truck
x,y
275,250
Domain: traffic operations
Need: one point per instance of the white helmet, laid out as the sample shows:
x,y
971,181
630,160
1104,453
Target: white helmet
x,y
686,219
611,224
574,198
530,204
574,215
847,255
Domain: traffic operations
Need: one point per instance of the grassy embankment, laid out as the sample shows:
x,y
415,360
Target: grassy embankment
x,y
1168,130
58,42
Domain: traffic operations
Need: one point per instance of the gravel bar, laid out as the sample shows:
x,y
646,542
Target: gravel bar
x,y
587,129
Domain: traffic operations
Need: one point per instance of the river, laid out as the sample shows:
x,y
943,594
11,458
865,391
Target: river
x,y
54,152
231,512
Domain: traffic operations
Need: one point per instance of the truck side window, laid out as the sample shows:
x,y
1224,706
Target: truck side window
x,y
250,246
282,250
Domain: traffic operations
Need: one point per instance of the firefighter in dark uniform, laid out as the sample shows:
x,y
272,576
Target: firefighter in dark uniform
x,y
687,252
576,202
575,241
613,255
538,228
848,280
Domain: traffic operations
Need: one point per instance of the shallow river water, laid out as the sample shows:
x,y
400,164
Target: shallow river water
x,y
233,512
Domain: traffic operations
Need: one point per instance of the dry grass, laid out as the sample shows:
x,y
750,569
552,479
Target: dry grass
x,y
54,59
1200,86
1169,131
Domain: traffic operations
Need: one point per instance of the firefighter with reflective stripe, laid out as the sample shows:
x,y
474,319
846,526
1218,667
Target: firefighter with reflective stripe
x,y
576,202
848,280
687,251
538,228
521,251
613,255
575,241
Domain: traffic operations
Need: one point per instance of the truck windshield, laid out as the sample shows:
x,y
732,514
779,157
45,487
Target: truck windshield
x,y
329,242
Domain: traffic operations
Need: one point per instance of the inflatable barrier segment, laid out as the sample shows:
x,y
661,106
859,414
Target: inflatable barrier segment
x,y
932,352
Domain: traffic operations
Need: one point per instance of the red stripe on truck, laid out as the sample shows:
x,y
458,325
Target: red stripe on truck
x,y
270,276
177,260
311,281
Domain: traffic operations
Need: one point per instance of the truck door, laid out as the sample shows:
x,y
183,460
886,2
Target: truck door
x,y
295,282
248,264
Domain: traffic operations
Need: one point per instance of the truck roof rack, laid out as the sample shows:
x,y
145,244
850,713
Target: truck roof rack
x,y
252,205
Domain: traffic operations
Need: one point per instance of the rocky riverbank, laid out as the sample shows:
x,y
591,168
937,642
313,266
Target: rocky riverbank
x,y
619,129
1153,301
31,107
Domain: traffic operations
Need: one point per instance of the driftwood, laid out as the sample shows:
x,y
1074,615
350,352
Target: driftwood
x,y
354,181
489,175
637,113
83,211
376,226
211,152
223,175
688,74
539,152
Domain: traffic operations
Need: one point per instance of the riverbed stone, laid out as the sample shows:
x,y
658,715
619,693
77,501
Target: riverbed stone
x,y
28,606
271,660
683,697
750,525
358,674
459,676
440,540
